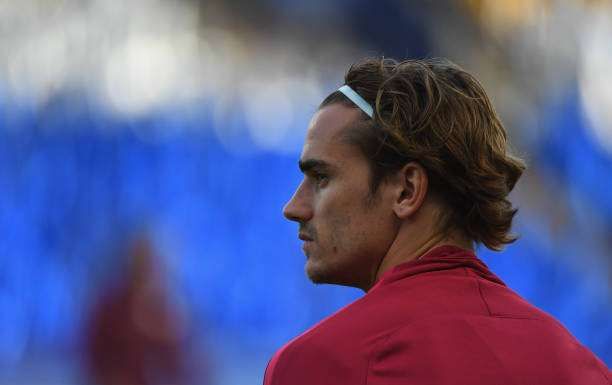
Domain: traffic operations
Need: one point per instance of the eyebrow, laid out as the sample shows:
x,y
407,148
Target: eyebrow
x,y
314,164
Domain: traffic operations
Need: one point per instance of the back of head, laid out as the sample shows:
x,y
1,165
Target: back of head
x,y
435,113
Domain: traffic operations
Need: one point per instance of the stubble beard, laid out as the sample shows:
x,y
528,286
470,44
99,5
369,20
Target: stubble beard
x,y
323,265
317,268
329,265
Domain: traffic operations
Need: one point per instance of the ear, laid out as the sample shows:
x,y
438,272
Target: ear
x,y
411,184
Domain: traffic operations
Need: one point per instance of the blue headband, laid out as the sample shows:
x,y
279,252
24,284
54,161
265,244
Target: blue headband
x,y
358,100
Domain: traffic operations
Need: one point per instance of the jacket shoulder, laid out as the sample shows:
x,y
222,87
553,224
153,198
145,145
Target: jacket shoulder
x,y
483,350
314,359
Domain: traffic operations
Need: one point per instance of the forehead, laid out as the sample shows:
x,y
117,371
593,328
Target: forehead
x,y
326,136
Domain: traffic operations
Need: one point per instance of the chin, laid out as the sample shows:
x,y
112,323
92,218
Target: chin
x,y
324,275
317,274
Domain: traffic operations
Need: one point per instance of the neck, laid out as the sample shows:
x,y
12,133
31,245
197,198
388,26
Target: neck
x,y
406,248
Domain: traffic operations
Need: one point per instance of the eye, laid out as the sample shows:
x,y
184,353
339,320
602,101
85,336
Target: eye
x,y
321,179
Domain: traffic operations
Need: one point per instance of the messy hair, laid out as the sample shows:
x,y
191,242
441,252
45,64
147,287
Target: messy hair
x,y
434,113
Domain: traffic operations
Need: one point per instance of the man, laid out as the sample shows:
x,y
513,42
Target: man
x,y
406,169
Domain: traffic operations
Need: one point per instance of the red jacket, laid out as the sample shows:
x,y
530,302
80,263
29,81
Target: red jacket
x,y
442,319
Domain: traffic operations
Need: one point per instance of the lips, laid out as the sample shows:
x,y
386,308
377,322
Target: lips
x,y
304,237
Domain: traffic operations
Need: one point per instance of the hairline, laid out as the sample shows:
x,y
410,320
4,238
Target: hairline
x,y
349,136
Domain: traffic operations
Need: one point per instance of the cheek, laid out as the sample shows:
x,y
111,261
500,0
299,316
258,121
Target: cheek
x,y
340,228
359,232
340,220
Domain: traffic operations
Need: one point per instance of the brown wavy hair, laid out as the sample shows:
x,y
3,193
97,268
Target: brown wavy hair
x,y
435,113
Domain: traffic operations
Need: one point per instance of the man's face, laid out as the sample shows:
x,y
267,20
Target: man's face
x,y
346,232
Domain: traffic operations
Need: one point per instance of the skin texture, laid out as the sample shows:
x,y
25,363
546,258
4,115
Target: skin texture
x,y
349,237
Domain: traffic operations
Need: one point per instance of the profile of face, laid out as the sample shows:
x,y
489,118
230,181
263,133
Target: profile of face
x,y
346,231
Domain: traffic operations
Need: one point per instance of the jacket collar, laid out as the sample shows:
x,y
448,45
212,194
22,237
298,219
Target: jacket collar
x,y
439,258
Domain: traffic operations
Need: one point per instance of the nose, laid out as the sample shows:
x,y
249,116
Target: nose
x,y
299,208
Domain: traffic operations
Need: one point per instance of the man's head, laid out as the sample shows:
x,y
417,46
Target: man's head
x,y
430,164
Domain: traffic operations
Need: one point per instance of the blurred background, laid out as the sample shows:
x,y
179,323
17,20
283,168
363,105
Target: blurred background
x,y
147,148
